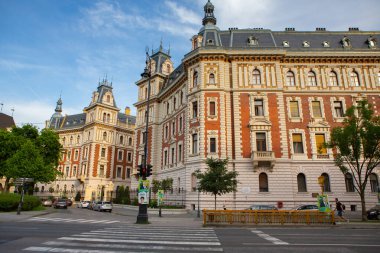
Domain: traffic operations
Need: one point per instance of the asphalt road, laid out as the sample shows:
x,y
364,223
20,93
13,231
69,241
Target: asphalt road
x,y
85,231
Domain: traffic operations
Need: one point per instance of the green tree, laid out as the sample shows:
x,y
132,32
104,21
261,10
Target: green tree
x,y
356,146
156,185
217,179
127,196
167,184
119,194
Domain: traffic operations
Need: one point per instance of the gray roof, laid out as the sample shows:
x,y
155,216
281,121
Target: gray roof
x,y
6,121
68,121
172,78
123,118
160,56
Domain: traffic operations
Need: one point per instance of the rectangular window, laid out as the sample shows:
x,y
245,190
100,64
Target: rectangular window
x,y
179,152
297,144
76,155
101,171
212,145
103,152
165,157
173,128
195,143
180,124
118,172
259,107
294,109
128,173
320,140
338,108
261,144
166,131
195,109
173,155
212,108
317,112
129,157
120,155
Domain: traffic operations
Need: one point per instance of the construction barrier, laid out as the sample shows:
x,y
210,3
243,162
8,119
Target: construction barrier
x,y
276,217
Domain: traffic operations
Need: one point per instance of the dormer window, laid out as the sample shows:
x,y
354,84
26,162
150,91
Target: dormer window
x,y
306,44
252,41
108,99
210,42
285,43
326,44
371,42
346,43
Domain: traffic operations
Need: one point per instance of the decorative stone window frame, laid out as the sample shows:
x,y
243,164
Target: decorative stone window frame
x,y
298,156
213,71
252,41
323,115
182,154
357,72
180,124
104,99
192,73
129,160
212,134
191,132
306,77
285,43
250,76
346,42
165,166
372,42
335,99
126,172
164,67
121,171
326,43
299,100
320,128
306,43
285,80
209,116
122,155
190,103
105,152
166,131
337,72
170,156
259,96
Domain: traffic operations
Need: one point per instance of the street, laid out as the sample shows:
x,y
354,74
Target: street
x,y
81,230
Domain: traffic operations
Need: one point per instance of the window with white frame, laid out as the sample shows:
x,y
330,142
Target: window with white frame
x,y
256,77
101,171
120,155
316,107
128,172
320,141
297,143
212,110
195,79
179,152
263,182
165,157
354,79
180,124
103,153
333,77
211,78
338,109
195,109
290,79
259,107
74,171
212,145
104,136
294,109
312,79
261,142
129,157
172,155
118,172
76,155
194,139
173,128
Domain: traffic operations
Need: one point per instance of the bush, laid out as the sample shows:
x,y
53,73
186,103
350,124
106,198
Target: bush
x,y
9,202
135,202
153,203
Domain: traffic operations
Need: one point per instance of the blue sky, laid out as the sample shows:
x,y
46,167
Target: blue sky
x,y
53,47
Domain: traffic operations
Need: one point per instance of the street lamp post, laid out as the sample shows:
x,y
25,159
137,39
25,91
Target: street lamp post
x,y
198,212
142,216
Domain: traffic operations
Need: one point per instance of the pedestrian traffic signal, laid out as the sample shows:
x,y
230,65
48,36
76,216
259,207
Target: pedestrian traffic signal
x,y
140,170
149,170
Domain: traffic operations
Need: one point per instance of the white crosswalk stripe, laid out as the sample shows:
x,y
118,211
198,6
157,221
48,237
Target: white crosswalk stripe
x,y
135,239
267,237
72,220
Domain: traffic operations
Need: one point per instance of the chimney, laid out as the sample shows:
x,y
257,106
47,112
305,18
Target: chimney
x,y
127,110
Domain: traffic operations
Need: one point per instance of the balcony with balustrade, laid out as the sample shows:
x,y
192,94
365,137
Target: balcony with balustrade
x,y
263,159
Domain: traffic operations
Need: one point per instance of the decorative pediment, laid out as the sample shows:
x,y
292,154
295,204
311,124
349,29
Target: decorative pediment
x,y
260,124
318,125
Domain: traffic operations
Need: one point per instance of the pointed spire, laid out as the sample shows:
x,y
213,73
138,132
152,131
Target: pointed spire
x,y
161,45
209,18
58,108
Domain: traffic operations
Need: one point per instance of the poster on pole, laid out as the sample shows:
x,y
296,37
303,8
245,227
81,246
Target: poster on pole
x,y
323,203
160,197
143,189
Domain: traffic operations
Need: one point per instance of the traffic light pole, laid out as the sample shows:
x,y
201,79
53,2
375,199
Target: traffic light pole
x,y
142,217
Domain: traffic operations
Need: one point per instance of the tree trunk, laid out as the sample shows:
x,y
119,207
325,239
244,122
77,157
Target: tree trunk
x,y
364,210
215,201
6,185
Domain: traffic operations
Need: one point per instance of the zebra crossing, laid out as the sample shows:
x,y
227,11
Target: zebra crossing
x,y
72,220
135,239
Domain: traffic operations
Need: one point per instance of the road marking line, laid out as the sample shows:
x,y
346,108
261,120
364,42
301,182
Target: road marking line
x,y
153,234
316,244
72,220
267,237
130,246
138,241
173,237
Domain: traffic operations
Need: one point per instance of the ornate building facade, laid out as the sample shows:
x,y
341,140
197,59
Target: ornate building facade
x,y
267,101
97,148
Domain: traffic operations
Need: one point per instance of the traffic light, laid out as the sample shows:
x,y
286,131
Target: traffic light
x,y
140,170
149,170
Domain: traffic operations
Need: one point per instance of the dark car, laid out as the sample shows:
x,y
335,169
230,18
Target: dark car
x,y
69,202
374,213
307,208
60,203
262,207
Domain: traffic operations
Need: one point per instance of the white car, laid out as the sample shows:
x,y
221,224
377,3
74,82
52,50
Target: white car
x,y
103,206
83,204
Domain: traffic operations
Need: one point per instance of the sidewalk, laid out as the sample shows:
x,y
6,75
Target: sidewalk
x,y
13,217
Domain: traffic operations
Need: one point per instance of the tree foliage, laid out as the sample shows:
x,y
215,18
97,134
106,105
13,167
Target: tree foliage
x,y
164,184
356,146
217,179
24,152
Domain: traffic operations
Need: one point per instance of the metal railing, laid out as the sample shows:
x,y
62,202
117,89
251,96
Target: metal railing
x,y
256,217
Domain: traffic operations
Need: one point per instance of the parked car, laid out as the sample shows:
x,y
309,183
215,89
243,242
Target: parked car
x,y
60,203
374,213
103,206
83,204
262,207
91,205
69,202
307,208
47,202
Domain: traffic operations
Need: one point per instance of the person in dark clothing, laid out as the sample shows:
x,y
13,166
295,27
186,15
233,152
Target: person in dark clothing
x,y
339,209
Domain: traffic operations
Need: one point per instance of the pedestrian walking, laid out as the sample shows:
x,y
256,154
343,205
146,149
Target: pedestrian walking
x,y
339,207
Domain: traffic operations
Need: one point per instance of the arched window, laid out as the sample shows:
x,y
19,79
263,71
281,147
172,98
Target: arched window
x,y
301,181
333,78
71,140
108,98
374,181
121,140
195,79
290,80
104,136
130,141
349,182
211,79
354,79
256,77
78,139
312,78
108,117
326,184
104,117
263,182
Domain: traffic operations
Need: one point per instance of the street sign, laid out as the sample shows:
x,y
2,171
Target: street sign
x,y
23,180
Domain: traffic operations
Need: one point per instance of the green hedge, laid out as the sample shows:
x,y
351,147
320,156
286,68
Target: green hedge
x,y
9,202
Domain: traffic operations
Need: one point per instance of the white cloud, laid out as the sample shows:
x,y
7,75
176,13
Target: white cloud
x,y
14,65
184,15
